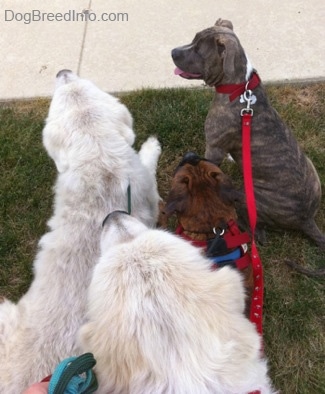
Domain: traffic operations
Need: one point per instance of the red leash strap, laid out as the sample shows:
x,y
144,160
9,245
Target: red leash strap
x,y
256,313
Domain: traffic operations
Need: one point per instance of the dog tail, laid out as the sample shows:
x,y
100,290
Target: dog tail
x,y
149,154
306,271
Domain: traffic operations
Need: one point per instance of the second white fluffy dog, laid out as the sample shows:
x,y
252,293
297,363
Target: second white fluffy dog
x,y
160,321
89,135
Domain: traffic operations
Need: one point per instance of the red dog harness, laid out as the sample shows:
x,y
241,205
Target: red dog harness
x,y
233,246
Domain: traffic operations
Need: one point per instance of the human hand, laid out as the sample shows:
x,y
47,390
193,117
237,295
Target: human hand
x,y
37,388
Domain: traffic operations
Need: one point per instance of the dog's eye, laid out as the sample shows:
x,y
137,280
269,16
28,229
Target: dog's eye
x,y
185,179
214,174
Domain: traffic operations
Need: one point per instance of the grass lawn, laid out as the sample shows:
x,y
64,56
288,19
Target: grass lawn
x,y
294,312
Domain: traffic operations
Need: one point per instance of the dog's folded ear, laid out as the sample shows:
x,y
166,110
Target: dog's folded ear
x,y
226,189
216,175
175,203
172,207
227,49
224,23
230,195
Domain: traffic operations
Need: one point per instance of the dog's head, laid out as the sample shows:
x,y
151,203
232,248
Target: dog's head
x,y
201,195
83,121
215,55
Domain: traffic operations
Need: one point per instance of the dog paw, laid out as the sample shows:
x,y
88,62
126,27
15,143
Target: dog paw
x,y
151,145
230,158
150,152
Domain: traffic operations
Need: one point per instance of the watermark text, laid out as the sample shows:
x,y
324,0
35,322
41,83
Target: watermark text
x,y
69,16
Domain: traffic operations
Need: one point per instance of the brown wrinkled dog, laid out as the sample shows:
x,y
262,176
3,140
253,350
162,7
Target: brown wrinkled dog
x,y
287,187
202,198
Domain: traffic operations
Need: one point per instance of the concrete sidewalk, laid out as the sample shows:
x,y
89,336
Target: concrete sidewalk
x,y
125,45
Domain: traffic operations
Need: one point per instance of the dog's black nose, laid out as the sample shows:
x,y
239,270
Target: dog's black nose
x,y
175,53
112,214
62,72
190,158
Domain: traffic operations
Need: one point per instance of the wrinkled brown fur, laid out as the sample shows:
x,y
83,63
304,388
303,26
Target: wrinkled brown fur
x,y
202,197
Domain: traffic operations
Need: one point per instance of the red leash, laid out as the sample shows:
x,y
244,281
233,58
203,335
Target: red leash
x,y
235,90
256,313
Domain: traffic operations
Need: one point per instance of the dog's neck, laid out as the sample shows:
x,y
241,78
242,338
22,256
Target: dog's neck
x,y
235,90
198,236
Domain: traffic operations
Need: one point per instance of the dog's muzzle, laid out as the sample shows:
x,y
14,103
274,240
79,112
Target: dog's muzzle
x,y
64,77
62,73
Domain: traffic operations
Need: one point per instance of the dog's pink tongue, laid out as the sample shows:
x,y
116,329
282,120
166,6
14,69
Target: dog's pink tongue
x,y
178,71
186,75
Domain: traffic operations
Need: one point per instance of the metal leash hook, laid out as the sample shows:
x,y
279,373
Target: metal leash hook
x,y
250,99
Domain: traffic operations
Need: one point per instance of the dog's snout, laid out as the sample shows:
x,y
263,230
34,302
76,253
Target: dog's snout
x,y
178,53
64,77
175,53
112,215
63,72
191,156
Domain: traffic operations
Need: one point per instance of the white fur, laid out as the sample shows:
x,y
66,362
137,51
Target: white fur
x,y
88,134
160,321
249,68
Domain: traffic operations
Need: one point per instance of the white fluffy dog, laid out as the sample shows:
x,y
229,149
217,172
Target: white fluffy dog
x,y
88,134
160,321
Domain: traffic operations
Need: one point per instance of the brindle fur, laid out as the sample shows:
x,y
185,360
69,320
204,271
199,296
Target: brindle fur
x,y
287,187
202,197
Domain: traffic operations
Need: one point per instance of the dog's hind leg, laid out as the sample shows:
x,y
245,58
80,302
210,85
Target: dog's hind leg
x,y
149,154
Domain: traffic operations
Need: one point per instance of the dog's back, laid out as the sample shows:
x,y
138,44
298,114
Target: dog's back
x,y
159,321
89,136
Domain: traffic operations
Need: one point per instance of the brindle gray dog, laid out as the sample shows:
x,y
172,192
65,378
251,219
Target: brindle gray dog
x,y
287,187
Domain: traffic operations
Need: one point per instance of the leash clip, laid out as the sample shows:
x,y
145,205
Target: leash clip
x,y
246,111
250,99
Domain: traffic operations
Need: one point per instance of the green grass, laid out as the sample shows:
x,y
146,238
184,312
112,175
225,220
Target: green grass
x,y
294,314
